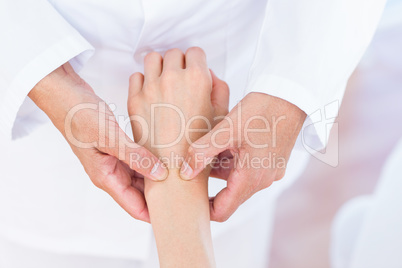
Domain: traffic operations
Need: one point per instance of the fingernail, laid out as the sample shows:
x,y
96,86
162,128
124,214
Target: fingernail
x,y
186,171
158,172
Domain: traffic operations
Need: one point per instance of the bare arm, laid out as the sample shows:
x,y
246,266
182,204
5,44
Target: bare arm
x,y
180,218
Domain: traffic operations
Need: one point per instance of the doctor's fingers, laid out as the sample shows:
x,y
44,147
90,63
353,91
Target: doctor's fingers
x,y
137,179
119,185
222,165
203,151
152,66
115,178
226,202
137,158
133,202
241,185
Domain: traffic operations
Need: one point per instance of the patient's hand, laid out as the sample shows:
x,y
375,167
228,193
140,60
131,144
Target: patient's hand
x,y
174,104
179,99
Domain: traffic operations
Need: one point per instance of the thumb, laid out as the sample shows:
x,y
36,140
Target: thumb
x,y
202,152
138,158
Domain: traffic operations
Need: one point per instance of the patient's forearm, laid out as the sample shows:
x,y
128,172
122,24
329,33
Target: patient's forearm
x,y
179,212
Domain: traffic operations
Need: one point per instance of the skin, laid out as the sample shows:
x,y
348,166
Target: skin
x,y
179,209
107,164
284,122
63,89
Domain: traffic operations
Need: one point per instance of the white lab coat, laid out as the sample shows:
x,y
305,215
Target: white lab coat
x,y
367,232
300,50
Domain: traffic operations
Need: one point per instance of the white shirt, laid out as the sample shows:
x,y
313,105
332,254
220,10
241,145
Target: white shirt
x,y
306,50
366,232
300,50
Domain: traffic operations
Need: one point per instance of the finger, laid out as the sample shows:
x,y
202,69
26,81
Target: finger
x,y
138,158
144,162
222,165
203,151
132,201
137,180
222,169
152,66
226,202
119,186
135,85
173,59
196,58
138,183
219,95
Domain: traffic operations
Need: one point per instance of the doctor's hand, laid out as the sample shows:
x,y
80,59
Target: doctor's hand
x,y
249,149
102,147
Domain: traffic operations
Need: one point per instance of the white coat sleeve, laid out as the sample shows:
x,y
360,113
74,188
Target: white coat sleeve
x,y
35,40
307,50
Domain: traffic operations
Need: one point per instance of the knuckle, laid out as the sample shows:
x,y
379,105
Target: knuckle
x,y
102,182
279,174
225,87
196,50
97,183
139,215
153,56
135,76
265,184
107,185
197,72
223,213
225,110
173,51
222,217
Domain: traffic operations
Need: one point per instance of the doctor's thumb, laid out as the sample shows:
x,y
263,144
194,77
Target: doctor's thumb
x,y
138,158
199,155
